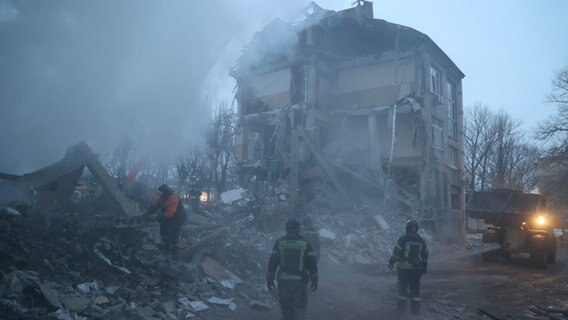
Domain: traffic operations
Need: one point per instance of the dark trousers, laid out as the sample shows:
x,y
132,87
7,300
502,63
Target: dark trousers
x,y
409,289
293,299
195,205
169,232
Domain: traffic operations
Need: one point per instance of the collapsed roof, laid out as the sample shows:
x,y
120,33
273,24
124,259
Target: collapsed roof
x,y
341,35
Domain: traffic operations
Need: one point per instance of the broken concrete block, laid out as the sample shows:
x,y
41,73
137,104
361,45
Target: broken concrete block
x,y
215,300
50,295
76,303
198,306
229,284
259,305
327,234
88,287
216,271
112,289
382,222
184,301
102,300
231,196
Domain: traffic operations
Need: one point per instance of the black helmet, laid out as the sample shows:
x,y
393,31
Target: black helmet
x,y
165,189
411,226
293,226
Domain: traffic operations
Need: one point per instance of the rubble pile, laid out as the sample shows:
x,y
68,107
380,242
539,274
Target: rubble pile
x,y
354,239
534,313
61,272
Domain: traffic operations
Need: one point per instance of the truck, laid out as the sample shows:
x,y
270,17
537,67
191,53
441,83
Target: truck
x,y
518,222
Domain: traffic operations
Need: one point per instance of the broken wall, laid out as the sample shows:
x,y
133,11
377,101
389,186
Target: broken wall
x,y
271,88
366,82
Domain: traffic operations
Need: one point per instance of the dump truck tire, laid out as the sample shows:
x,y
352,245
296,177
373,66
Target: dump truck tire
x,y
551,258
538,259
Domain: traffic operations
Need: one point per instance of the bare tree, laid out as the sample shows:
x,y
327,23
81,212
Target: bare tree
x,y
122,159
220,141
496,151
555,129
504,156
554,168
478,142
523,175
194,163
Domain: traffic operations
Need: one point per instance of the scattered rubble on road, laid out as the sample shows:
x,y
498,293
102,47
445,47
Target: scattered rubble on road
x,y
81,258
534,313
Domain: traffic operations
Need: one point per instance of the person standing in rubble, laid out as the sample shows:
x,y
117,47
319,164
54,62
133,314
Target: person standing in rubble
x,y
171,218
293,264
195,194
310,233
411,257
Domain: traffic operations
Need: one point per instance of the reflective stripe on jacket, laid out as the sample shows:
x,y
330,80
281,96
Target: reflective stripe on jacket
x,y
292,258
410,252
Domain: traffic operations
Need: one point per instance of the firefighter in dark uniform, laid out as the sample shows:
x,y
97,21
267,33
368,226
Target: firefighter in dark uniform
x,y
310,233
411,258
292,264
171,219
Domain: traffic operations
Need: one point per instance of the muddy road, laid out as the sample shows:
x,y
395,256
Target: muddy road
x,y
450,290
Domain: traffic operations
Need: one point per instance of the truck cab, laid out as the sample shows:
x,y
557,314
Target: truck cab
x,y
518,222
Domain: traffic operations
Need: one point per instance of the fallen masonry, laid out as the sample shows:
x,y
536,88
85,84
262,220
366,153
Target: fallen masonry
x,y
84,259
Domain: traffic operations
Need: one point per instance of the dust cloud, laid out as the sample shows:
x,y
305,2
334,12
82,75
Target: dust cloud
x,y
111,72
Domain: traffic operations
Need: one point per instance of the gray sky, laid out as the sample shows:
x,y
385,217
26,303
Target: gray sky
x,y
508,49
106,71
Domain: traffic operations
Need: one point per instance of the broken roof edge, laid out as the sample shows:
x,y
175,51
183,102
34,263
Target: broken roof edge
x,y
444,55
236,71
426,39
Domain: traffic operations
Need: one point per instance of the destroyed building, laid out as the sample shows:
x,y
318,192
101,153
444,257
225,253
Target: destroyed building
x,y
356,106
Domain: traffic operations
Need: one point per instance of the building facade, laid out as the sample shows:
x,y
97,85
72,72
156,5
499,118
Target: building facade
x,y
366,109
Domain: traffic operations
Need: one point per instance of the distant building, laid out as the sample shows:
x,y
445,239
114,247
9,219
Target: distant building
x,y
365,106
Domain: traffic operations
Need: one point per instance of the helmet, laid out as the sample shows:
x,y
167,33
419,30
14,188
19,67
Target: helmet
x,y
165,189
411,226
293,226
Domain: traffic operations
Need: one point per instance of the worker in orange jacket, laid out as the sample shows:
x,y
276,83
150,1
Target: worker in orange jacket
x,y
171,219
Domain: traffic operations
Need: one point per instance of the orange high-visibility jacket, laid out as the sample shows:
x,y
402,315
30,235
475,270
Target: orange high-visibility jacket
x,y
170,205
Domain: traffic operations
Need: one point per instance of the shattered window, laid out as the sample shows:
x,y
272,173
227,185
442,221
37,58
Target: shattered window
x,y
438,138
435,81
452,110
453,155
438,134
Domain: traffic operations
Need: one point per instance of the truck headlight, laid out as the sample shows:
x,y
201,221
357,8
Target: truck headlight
x,y
541,220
